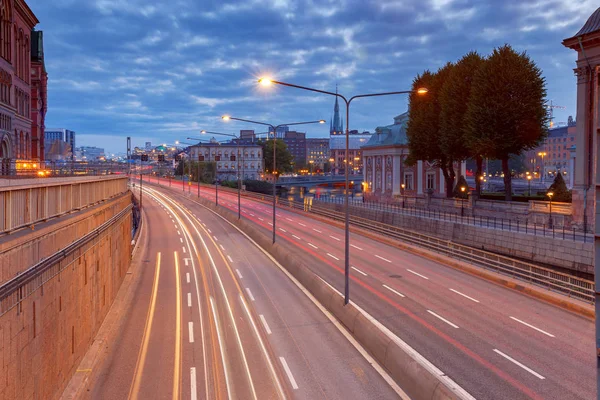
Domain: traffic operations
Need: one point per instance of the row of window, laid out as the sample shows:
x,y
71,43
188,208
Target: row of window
x,y
234,166
22,145
409,181
23,103
22,47
5,122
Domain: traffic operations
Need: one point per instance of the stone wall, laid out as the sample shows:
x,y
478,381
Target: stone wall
x,y
44,337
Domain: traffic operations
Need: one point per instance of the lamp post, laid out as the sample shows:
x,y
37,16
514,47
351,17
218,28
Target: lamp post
x,y
529,178
266,82
542,154
311,162
189,168
237,158
274,128
462,201
402,186
550,194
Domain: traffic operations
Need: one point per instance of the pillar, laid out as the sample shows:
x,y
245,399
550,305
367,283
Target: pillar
x,y
419,177
442,182
396,175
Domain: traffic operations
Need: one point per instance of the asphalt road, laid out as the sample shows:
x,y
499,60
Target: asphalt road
x,y
494,342
214,318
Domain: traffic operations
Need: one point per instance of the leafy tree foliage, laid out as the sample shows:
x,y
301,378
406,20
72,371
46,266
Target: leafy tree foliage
x,y
284,157
506,112
559,188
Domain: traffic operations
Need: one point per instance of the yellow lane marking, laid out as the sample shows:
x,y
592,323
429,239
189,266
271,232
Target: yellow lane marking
x,y
139,367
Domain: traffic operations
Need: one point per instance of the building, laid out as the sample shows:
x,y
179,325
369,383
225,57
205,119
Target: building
x,y
385,172
336,124
39,95
148,146
296,144
55,150
89,153
17,23
225,155
554,155
317,151
247,134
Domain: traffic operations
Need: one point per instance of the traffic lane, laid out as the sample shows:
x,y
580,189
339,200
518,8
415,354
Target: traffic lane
x,y
321,361
117,375
244,373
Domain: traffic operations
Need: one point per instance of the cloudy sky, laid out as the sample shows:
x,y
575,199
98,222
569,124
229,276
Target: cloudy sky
x,y
162,70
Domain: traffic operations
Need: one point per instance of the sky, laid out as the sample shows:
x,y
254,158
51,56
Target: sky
x,y
164,70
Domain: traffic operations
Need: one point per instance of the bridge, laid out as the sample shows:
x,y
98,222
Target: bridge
x,y
317,180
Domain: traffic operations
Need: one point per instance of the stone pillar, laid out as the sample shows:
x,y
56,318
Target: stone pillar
x,y
572,157
463,169
419,177
442,183
396,176
383,159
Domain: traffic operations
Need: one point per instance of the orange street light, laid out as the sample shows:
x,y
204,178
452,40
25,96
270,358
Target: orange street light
x,y
265,81
422,90
225,117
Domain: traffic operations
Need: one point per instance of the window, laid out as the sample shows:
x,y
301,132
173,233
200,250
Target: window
x,y
431,181
408,181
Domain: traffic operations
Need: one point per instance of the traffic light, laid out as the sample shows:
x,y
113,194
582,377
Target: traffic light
x,y
144,157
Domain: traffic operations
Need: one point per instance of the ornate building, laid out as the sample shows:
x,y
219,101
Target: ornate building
x,y
224,155
16,24
39,95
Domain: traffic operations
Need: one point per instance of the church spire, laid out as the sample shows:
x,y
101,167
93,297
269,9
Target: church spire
x,y
337,125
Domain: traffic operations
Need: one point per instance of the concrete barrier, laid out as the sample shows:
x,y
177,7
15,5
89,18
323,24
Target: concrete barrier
x,y
417,378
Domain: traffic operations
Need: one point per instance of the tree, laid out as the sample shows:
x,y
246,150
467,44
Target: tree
x,y
455,90
423,127
506,112
460,183
284,157
559,188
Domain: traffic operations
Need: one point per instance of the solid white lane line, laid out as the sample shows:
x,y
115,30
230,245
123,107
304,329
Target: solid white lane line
x,y
223,359
443,319
189,298
216,240
282,230
316,230
333,237
465,296
221,246
264,321
187,277
393,291
296,237
359,271
356,247
179,233
239,273
181,240
332,256
193,383
191,331
381,258
301,224
289,373
532,327
509,358
229,258
184,250
313,246
416,273
250,294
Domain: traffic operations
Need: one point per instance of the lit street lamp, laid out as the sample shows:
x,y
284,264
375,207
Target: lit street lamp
x,y
542,154
462,201
550,194
267,82
311,162
529,178
189,168
402,186
274,128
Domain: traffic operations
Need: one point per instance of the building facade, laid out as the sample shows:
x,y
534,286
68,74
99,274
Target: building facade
x,y
226,155
317,152
387,175
39,95
296,144
59,144
16,24
89,153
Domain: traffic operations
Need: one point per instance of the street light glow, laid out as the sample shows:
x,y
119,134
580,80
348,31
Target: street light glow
x,y
550,194
321,121
203,131
462,189
265,81
422,90
225,117
177,142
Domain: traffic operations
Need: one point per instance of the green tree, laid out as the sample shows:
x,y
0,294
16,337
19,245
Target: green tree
x,y
559,188
461,182
455,90
423,128
506,112
284,157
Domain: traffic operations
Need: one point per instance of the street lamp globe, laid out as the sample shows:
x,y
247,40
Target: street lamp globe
x,y
265,81
321,121
225,117
422,90
462,189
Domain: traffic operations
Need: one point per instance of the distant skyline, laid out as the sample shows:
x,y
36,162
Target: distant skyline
x,y
164,70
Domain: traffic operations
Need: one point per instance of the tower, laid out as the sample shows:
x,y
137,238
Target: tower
x,y
337,126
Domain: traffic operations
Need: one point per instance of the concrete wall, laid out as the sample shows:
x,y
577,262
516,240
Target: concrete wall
x,y
44,337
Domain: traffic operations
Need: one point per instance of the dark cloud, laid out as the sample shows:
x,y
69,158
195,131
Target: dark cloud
x,y
162,70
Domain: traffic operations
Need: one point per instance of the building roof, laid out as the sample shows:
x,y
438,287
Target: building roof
x,y
390,135
592,24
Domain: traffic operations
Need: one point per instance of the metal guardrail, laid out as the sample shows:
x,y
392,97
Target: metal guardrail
x,y
23,206
27,282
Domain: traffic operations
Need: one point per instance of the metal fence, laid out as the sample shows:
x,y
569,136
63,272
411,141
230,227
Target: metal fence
x,y
546,230
15,169
25,205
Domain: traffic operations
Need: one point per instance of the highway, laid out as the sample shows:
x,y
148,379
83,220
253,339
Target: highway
x,y
494,342
214,317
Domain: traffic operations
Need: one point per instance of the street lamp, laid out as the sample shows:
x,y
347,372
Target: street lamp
x,y
274,128
529,178
462,201
402,186
237,158
189,168
542,154
311,162
550,194
421,91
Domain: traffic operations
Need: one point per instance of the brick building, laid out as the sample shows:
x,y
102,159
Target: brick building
x,y
39,95
16,140
296,144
